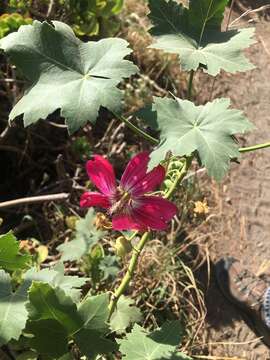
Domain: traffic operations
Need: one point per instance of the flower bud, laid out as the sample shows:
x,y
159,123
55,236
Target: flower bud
x,y
122,246
175,165
71,222
168,183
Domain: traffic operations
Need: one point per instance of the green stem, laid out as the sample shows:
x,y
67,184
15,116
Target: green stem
x,y
191,77
253,148
137,130
138,249
129,274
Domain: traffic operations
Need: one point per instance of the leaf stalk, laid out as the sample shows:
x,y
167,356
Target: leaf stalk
x,y
137,130
254,147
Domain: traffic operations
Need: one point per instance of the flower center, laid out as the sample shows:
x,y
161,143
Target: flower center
x,y
123,199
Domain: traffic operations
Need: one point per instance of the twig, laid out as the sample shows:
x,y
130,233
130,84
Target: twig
x,y
33,199
50,8
249,12
4,133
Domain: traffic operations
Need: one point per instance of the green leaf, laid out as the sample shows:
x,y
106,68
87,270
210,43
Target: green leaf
x,y
86,236
207,130
56,278
11,22
124,315
13,313
49,337
94,313
158,345
70,284
12,303
47,303
65,73
195,35
109,266
10,257
53,317
91,343
51,308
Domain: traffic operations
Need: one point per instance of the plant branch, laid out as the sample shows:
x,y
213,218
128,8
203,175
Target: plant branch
x,y
4,134
137,130
129,274
33,199
254,147
138,249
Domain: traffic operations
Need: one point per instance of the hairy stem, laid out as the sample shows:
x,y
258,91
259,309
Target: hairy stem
x,y
138,249
255,147
137,130
129,274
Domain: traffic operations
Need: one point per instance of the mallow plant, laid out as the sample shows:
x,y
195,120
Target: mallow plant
x,y
46,309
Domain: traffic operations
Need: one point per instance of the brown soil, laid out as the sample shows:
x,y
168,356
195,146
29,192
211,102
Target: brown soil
x,y
242,221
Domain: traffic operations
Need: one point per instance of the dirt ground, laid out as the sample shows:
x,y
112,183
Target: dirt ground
x,y
242,224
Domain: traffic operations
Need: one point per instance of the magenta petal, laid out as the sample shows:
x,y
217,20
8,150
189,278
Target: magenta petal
x,y
154,212
101,173
125,222
89,199
136,169
150,181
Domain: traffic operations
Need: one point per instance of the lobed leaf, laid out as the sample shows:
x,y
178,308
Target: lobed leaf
x,y
195,35
124,315
86,236
13,313
109,266
55,277
205,130
10,257
54,320
65,73
94,313
160,344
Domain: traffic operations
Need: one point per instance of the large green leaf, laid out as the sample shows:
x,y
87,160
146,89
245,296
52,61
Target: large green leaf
x,y
161,344
195,35
94,313
47,303
13,314
10,256
86,236
124,315
50,308
66,74
53,318
206,130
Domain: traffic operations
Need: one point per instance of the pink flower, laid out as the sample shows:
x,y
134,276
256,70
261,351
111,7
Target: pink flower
x,y
127,203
